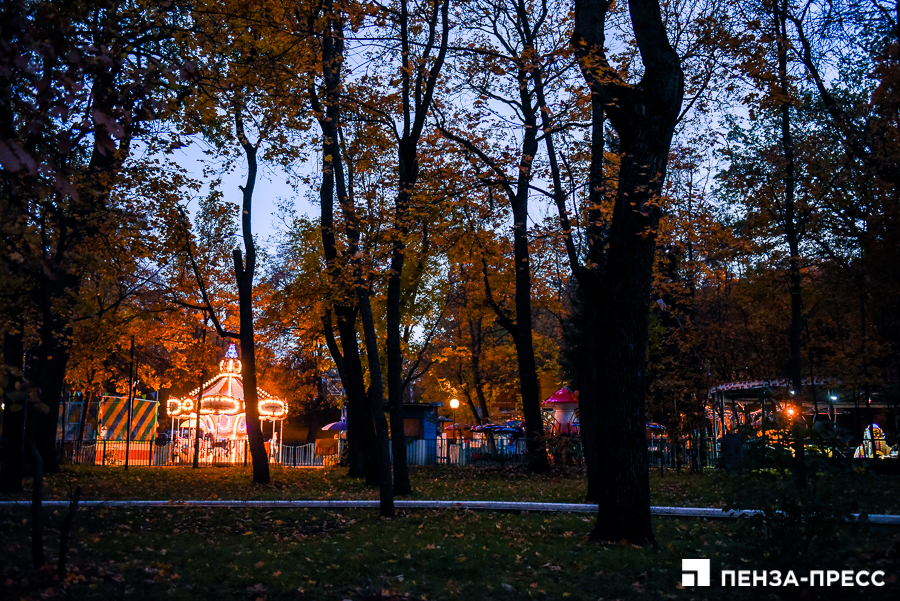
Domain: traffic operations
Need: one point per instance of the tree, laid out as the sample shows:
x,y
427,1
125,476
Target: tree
x,y
615,277
696,253
768,68
418,79
473,356
859,97
522,43
365,408
246,89
81,84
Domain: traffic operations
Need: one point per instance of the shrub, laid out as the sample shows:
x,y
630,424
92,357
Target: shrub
x,y
792,476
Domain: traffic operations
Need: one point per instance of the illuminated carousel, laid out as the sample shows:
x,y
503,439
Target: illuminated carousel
x,y
223,420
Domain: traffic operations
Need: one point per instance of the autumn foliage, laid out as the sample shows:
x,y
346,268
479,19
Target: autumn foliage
x,y
486,200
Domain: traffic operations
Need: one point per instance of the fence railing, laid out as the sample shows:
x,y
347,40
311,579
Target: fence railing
x,y
697,451
302,456
150,453
480,450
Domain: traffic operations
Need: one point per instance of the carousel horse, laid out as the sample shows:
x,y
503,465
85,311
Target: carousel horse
x,y
873,444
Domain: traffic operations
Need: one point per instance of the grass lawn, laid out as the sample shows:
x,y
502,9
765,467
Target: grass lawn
x,y
242,553
871,493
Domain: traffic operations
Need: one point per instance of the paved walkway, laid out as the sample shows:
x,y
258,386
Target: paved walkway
x,y
682,512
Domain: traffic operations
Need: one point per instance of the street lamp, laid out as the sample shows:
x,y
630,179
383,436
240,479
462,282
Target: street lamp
x,y
454,404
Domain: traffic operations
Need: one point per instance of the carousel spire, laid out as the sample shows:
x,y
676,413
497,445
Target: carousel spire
x,y
230,364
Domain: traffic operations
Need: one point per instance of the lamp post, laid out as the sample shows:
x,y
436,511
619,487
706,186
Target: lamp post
x,y
454,404
453,451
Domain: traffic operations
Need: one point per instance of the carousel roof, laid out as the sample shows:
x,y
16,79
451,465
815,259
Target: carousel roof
x,y
224,393
563,395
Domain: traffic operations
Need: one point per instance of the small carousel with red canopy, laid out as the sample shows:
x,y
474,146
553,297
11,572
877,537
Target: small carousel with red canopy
x,y
561,412
223,419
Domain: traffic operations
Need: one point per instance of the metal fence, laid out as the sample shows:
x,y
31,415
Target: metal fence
x,y
303,456
480,450
113,452
700,451
149,453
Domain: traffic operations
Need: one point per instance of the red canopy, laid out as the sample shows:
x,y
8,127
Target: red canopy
x,y
563,395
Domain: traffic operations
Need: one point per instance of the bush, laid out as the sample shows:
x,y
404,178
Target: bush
x,y
564,450
792,476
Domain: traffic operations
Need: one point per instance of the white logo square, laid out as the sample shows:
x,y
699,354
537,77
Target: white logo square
x,y
694,572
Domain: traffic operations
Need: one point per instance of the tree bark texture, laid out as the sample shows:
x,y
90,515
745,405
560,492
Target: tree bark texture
x,y
406,169
376,401
585,338
70,208
529,76
48,370
523,331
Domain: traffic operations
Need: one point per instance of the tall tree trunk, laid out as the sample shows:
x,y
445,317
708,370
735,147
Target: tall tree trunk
x,y
360,424
406,169
617,283
529,80
416,101
586,340
14,410
376,401
793,233
625,497
790,219
523,332
334,184
244,271
50,374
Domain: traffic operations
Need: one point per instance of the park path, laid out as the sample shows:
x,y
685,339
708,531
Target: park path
x,y
681,512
